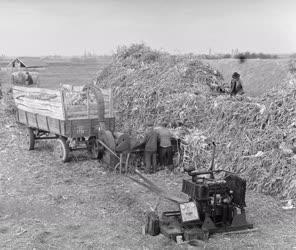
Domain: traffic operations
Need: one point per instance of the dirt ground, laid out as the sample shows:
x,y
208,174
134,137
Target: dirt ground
x,y
45,204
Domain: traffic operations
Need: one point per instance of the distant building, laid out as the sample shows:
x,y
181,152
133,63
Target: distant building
x,y
26,63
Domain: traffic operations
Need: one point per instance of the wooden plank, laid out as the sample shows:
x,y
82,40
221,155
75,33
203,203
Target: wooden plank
x,y
37,105
39,101
42,122
31,120
53,99
35,90
85,127
22,117
84,113
81,111
63,104
47,125
36,121
85,117
26,114
54,126
44,112
18,115
75,108
60,128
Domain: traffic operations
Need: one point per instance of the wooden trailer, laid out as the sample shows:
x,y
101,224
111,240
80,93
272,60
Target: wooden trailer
x,y
72,116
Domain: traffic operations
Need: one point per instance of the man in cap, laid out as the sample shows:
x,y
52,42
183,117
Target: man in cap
x,y
236,85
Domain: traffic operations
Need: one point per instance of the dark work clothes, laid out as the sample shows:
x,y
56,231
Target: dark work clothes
x,y
164,137
236,87
150,160
29,79
151,141
166,156
165,149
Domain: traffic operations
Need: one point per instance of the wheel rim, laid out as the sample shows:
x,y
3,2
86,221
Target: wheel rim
x,y
28,143
27,139
59,151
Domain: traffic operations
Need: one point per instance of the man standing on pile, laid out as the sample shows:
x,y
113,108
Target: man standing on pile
x,y
236,85
150,149
165,149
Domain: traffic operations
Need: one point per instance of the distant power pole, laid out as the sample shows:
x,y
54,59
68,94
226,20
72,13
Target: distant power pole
x,y
210,52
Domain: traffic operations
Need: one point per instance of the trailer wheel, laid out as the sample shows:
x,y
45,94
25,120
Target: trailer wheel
x,y
93,148
30,139
62,150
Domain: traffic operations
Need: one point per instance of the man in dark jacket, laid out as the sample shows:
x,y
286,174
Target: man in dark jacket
x,y
165,146
236,85
150,148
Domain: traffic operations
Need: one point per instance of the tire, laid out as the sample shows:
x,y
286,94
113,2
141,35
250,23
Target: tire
x,y
62,150
30,139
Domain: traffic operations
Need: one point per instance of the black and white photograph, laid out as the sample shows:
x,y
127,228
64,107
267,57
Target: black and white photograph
x,y
147,125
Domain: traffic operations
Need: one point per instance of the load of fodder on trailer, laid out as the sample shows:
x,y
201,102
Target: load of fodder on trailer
x,y
255,137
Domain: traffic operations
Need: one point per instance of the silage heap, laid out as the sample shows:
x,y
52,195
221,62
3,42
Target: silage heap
x,y
254,136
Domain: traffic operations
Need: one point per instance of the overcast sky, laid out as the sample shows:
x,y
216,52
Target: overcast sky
x,y
68,27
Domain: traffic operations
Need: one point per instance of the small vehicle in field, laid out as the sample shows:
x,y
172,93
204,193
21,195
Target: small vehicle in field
x,y
74,117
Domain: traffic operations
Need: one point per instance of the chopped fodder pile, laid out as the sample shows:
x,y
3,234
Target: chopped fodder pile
x,y
255,137
150,85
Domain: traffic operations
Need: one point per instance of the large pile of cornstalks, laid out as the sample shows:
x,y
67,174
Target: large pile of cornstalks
x,y
255,137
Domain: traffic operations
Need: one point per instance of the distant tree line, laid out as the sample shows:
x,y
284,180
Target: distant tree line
x,y
241,56
217,56
248,55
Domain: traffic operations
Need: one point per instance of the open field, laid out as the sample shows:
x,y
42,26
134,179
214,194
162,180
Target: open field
x,y
82,205
65,72
69,73
258,75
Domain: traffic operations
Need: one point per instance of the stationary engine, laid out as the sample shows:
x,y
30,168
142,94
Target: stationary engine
x,y
216,204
